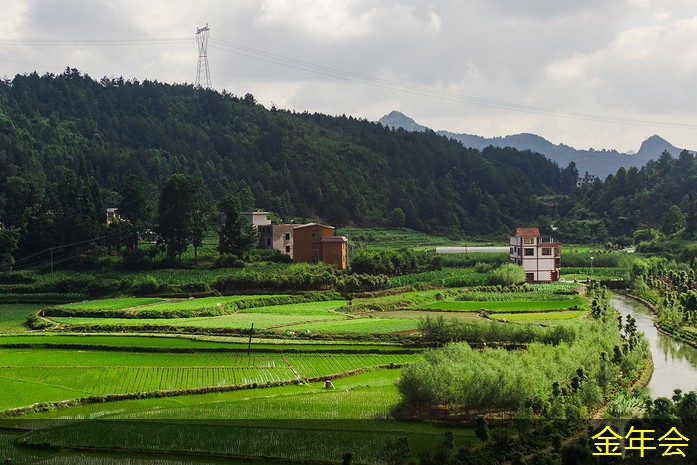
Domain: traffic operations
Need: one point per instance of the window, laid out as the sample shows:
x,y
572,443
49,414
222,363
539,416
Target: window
x,y
547,251
314,233
286,236
512,249
287,249
529,276
528,240
315,259
529,252
315,246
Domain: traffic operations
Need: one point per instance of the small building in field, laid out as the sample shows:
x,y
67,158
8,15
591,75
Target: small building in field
x,y
539,256
112,214
257,218
309,243
314,243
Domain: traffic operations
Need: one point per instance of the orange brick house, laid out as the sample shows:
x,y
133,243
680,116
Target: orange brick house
x,y
314,243
309,243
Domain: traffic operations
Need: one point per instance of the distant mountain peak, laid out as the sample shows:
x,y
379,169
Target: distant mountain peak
x,y
396,119
656,145
597,162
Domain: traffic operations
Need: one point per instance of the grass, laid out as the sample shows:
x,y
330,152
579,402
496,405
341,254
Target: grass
x,y
393,238
111,304
174,343
234,321
40,375
359,325
448,277
13,316
505,306
306,308
539,317
465,317
298,422
206,405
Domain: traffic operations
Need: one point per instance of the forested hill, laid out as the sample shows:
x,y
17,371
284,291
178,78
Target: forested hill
x,y
67,142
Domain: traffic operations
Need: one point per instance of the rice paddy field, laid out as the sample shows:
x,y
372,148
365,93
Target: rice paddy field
x,y
167,381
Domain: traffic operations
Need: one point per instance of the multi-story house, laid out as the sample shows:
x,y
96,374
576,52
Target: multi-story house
x,y
540,256
310,243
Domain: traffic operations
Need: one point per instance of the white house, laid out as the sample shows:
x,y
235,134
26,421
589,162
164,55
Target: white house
x,y
539,256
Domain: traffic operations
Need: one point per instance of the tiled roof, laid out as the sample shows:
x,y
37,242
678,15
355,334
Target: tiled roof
x,y
526,232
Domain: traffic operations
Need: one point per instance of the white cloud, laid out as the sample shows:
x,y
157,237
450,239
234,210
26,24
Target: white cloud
x,y
321,21
622,58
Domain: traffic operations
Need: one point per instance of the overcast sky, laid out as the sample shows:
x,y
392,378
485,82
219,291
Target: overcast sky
x,y
587,73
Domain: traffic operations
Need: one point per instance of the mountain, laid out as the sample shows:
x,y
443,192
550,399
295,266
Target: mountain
x,y
597,162
69,145
396,119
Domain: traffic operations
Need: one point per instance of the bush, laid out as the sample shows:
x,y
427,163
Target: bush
x,y
507,275
394,262
269,255
149,286
362,282
229,261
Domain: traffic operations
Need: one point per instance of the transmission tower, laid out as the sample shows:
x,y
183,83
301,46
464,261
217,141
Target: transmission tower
x,y
202,40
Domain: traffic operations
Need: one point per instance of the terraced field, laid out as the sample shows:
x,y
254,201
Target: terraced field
x,y
41,375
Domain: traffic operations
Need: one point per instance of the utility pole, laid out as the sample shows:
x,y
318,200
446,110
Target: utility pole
x,y
249,346
202,34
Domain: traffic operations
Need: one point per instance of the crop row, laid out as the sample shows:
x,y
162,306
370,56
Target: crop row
x,y
118,380
289,441
510,306
172,308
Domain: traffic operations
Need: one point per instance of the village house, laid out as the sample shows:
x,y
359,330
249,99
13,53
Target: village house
x,y
112,214
538,255
309,243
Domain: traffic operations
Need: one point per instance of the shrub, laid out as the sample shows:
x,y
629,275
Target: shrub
x,y
507,275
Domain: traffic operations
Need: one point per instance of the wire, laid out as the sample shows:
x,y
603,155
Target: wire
x,y
91,42
294,63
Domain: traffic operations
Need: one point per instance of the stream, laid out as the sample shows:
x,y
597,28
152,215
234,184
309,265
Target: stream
x,y
675,363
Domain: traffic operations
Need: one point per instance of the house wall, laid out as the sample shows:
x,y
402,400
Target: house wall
x,y
282,238
307,242
528,252
334,253
257,218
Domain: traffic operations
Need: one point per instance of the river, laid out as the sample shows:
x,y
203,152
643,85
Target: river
x,y
675,363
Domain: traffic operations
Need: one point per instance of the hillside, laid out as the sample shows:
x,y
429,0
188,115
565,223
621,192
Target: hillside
x,y
67,143
598,162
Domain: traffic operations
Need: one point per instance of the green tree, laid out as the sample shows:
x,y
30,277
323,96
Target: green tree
x,y
200,211
134,207
673,220
236,235
507,275
176,209
8,245
397,218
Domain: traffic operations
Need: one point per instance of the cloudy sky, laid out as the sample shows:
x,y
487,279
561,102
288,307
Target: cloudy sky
x,y
591,73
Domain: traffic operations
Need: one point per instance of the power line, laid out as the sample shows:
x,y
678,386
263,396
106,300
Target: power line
x,y
336,73
93,42
294,63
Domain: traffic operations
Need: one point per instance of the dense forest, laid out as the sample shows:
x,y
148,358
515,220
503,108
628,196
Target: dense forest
x,y
71,146
656,203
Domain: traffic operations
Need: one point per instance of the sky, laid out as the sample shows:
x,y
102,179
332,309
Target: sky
x,y
590,74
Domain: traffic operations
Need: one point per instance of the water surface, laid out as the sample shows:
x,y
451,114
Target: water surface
x,y
675,363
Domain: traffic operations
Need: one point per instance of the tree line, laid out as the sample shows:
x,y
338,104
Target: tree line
x,y
71,146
